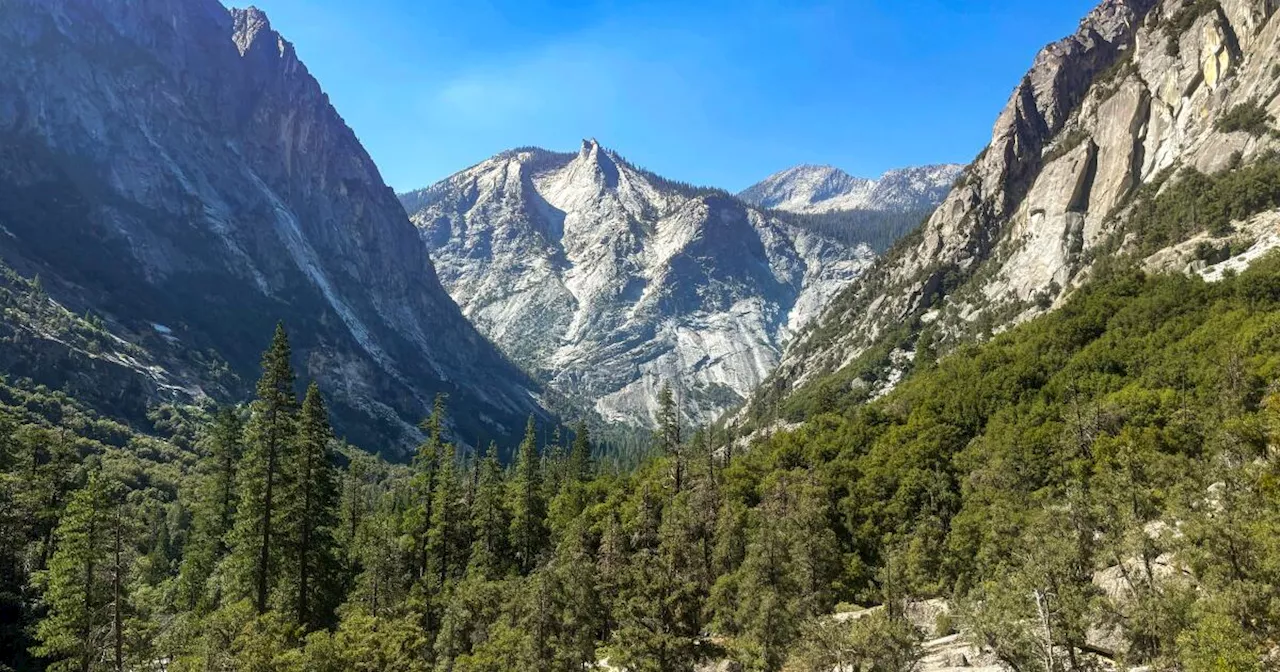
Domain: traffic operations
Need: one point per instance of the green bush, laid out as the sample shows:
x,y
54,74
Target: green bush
x,y
1197,202
944,625
1248,117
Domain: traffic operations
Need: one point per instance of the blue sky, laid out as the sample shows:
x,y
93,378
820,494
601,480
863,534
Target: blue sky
x,y
714,92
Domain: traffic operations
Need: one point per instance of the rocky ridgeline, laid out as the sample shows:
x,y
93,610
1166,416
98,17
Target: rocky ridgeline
x,y
1138,93
823,189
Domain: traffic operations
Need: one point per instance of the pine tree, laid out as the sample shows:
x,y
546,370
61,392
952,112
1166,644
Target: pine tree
x,y
257,552
50,467
528,509
382,586
659,615
14,527
490,520
555,466
357,505
426,465
611,568
214,511
669,433
580,465
86,585
447,541
581,616
310,513
790,561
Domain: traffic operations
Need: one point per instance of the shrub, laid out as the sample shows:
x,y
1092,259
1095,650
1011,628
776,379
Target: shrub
x,y
1249,117
1197,202
944,625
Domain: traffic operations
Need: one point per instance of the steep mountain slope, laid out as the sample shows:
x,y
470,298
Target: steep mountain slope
x,y
606,281
174,168
1146,95
819,189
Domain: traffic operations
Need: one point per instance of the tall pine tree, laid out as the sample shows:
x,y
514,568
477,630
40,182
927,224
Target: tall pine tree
x,y
426,466
580,466
257,552
669,437
86,585
448,540
490,520
214,511
310,515
528,508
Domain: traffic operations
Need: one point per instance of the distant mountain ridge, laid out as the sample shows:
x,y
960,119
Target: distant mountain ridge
x,y
605,280
810,189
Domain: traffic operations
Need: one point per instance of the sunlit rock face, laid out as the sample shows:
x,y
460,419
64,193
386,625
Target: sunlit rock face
x,y
1132,97
606,281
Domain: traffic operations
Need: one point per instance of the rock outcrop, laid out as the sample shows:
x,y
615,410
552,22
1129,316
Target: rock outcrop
x,y
1133,96
174,163
607,281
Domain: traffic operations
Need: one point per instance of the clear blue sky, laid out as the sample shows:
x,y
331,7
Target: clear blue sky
x,y
716,92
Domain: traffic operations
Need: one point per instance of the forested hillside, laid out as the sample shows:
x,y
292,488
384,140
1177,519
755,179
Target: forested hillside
x,y
1154,121
1101,479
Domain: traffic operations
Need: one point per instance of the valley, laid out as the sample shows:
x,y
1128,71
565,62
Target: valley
x,y
555,411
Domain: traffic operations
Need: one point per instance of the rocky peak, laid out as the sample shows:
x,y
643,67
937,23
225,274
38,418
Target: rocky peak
x,y
599,162
606,280
250,24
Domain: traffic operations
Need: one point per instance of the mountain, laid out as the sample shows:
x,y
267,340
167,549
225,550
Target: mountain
x,y
1145,139
821,189
854,210
605,281
172,170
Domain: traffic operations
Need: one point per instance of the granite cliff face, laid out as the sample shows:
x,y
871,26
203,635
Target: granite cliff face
x,y
1133,98
606,281
173,167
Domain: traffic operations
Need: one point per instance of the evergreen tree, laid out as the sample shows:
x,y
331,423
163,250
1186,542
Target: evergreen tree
x,y
528,508
357,505
386,571
580,464
14,529
659,616
670,441
555,466
478,613
214,511
581,617
426,464
86,585
490,520
50,467
611,570
785,576
448,540
257,552
309,516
